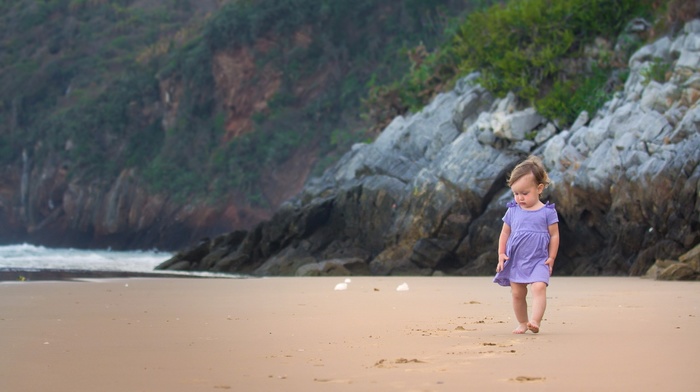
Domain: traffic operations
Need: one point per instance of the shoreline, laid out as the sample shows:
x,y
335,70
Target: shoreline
x,y
51,274
299,334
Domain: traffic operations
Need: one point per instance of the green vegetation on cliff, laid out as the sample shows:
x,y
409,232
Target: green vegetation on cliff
x,y
325,53
77,75
100,86
536,49
84,84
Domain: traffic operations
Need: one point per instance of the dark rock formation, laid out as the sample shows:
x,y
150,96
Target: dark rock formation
x,y
428,195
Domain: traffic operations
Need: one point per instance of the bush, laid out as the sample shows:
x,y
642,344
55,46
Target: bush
x,y
658,71
520,46
516,47
567,99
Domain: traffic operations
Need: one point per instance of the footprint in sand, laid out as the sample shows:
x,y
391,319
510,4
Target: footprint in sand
x,y
507,346
527,379
333,381
383,363
404,360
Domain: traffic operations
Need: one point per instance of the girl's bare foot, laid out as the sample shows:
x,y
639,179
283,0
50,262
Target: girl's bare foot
x,y
534,327
522,328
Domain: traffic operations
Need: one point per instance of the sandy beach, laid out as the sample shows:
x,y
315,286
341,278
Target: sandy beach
x,y
299,334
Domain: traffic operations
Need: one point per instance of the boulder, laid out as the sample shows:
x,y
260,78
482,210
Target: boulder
x,y
678,271
692,258
687,267
334,267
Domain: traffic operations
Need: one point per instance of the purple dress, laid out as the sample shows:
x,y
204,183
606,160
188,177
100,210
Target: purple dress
x,y
528,245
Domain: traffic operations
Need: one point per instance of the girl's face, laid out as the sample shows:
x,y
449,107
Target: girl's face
x,y
527,192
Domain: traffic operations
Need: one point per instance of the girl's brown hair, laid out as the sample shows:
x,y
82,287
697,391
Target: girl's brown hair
x,y
534,165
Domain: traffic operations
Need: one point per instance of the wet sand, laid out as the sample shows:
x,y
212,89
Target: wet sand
x,y
299,334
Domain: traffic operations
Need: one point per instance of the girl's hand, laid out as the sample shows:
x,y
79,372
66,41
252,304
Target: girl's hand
x,y
503,246
501,261
550,263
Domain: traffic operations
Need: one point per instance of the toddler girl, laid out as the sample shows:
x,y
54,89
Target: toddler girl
x,y
528,243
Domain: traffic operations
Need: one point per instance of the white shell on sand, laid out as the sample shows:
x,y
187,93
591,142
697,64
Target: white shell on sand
x,y
341,286
402,287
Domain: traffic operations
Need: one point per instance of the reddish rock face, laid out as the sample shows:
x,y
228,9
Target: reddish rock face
x,y
241,98
57,210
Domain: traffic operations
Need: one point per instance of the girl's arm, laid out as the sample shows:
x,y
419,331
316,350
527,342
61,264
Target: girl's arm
x,y
502,241
553,245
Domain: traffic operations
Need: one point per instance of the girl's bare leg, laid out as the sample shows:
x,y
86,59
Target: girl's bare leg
x,y
539,304
519,292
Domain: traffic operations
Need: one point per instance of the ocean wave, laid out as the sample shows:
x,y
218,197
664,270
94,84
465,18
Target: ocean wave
x,y
27,256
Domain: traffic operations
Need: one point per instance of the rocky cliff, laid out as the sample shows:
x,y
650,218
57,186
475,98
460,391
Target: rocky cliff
x,y
152,124
428,195
57,211
53,202
78,119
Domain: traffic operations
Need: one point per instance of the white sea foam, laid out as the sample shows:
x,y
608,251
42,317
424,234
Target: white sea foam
x,y
25,256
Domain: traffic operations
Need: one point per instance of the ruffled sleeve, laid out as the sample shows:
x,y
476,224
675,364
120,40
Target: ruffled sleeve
x,y
551,211
507,218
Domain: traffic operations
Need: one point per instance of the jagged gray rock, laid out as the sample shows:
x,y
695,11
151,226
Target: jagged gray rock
x,y
428,195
